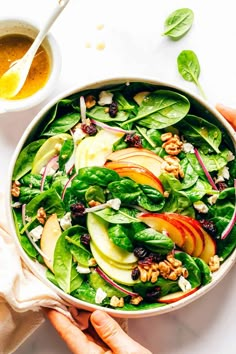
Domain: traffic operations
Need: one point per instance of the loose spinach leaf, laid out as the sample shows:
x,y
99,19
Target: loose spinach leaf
x,y
76,279
85,293
25,159
30,187
49,200
204,269
122,102
97,175
201,133
121,216
161,109
189,68
96,281
119,234
99,113
65,153
95,193
178,23
198,190
141,306
62,124
214,162
190,175
80,254
126,190
151,199
188,262
51,277
196,165
167,286
155,241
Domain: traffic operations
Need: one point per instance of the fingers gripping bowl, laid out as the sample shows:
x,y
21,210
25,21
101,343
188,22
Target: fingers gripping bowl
x,y
122,196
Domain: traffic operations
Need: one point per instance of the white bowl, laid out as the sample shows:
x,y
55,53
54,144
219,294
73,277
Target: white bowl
x,y
39,270
24,26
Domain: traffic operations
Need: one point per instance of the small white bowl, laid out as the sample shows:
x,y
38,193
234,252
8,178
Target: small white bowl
x,y
39,270
27,27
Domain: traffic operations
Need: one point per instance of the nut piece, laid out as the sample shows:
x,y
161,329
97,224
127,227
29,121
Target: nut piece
x,y
135,300
15,190
41,215
116,302
172,166
214,263
175,262
93,203
90,101
172,144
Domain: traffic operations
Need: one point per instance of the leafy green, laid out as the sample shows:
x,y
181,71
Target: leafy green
x,y
97,175
178,23
99,113
167,286
96,281
154,240
190,175
198,190
204,269
189,68
119,234
85,293
151,199
121,216
214,162
62,124
65,153
95,193
188,262
125,189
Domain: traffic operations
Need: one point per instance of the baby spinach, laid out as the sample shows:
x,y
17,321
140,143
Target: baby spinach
x,y
198,190
25,159
160,109
97,175
62,124
126,190
178,23
80,254
76,279
119,234
189,68
121,216
154,240
204,269
188,262
142,306
167,286
96,281
85,293
151,199
99,113
214,162
202,133
95,193
65,153
190,175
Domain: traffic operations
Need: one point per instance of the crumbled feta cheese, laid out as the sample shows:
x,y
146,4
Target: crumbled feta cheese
x,y
66,221
36,233
16,205
187,147
78,135
83,270
212,199
200,207
114,203
230,156
184,284
105,97
100,296
222,174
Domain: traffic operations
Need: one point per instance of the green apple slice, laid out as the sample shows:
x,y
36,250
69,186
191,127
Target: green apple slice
x,y
50,148
122,276
82,151
97,228
50,235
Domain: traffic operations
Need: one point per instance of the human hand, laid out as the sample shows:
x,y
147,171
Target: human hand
x,y
105,336
228,113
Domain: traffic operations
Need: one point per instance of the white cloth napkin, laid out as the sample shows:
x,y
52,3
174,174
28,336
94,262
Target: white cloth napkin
x,y
22,295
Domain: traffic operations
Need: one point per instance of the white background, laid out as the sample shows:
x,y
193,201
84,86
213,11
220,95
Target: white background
x,y
134,46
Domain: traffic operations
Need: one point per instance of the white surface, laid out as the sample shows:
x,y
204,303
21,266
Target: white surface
x,y
134,46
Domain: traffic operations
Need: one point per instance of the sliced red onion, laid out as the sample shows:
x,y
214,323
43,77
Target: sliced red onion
x,y
50,164
82,109
113,129
204,169
67,185
231,224
111,282
28,235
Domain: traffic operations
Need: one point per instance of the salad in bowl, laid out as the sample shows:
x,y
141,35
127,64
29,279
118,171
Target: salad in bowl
x,y
123,196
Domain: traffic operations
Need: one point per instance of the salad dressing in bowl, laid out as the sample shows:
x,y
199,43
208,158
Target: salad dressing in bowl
x,y
110,174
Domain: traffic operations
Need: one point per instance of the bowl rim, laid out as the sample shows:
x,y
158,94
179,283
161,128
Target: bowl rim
x,y
54,51
36,268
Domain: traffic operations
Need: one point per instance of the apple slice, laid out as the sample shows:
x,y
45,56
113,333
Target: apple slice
x,y
168,299
162,223
97,228
189,239
148,162
209,249
50,235
82,151
122,276
137,173
196,229
123,153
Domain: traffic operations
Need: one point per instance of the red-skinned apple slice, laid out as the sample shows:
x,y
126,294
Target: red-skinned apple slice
x,y
209,249
162,223
170,298
196,230
189,239
137,173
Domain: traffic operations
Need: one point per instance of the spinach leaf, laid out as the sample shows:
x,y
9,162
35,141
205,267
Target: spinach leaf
x,y
204,269
51,277
160,109
85,293
201,133
192,159
121,216
125,189
122,102
30,187
119,236
25,159
95,193
155,241
80,254
99,113
65,153
97,175
76,279
62,124
49,200
190,175
96,281
141,306
151,199
214,162
188,262
178,23
189,68
167,286
198,190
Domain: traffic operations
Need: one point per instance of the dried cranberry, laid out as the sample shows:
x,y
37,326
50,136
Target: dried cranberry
x,y
113,109
133,140
153,294
140,252
221,186
156,257
209,226
85,239
77,209
89,129
135,273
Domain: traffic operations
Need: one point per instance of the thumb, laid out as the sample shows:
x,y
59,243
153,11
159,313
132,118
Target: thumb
x,y
228,113
112,334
